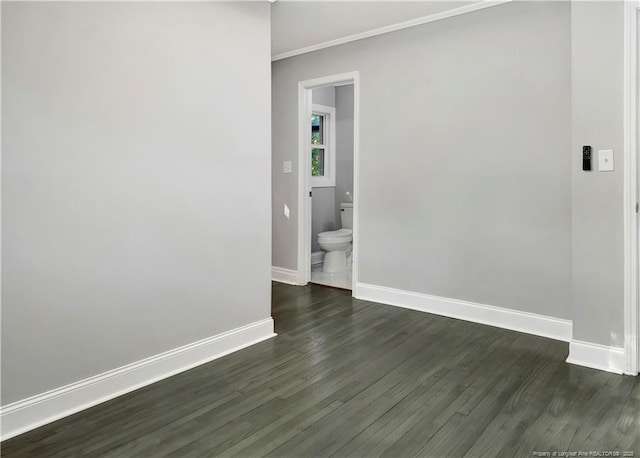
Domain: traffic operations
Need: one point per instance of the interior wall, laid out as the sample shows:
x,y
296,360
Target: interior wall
x,y
323,214
344,147
465,182
324,96
597,207
135,182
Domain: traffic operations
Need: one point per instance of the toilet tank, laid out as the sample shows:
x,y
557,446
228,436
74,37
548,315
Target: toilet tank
x,y
346,215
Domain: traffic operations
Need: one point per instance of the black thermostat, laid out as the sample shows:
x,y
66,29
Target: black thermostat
x,y
586,158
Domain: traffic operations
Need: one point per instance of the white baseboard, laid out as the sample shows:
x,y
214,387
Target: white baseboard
x,y
530,323
27,414
595,356
287,276
317,257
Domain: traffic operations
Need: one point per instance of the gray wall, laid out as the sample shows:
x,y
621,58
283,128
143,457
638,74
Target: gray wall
x,y
344,147
597,69
324,96
135,207
323,214
465,188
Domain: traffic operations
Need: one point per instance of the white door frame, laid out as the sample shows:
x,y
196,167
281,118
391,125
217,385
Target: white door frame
x,y
631,304
304,168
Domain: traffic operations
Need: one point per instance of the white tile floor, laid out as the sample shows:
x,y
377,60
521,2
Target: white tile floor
x,y
339,280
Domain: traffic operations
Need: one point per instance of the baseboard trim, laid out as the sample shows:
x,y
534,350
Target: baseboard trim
x,y
317,257
596,356
27,414
530,323
288,276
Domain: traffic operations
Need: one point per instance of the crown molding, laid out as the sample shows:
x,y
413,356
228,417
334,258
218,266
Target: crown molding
x,y
392,28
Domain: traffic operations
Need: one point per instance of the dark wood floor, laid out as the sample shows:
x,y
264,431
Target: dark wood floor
x,y
353,378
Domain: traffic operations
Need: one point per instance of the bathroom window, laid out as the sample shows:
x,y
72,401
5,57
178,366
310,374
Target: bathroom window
x,y
323,146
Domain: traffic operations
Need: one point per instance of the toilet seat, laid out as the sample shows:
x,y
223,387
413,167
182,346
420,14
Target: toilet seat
x,y
341,235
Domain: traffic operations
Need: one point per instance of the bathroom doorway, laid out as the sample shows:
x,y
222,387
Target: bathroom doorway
x,y
331,149
328,133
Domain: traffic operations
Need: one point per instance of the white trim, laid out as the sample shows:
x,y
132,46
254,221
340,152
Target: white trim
x,y
329,179
610,359
631,313
530,323
317,257
304,165
282,275
304,186
356,185
392,28
27,414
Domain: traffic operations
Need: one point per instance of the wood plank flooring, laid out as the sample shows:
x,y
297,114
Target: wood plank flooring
x,y
353,378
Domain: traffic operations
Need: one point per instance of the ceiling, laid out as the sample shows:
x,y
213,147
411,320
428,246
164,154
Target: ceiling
x,y
298,24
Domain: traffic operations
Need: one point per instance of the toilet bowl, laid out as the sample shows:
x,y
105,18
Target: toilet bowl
x,y
337,244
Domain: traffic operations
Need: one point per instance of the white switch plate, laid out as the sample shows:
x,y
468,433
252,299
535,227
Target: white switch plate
x,y
605,160
286,167
286,211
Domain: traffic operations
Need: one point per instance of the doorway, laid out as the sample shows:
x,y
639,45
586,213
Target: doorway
x,y
331,149
328,180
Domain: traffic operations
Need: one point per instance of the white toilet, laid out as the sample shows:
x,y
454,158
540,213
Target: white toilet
x,y
337,244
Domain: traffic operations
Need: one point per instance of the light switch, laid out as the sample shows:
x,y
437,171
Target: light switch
x,y
605,160
286,167
286,211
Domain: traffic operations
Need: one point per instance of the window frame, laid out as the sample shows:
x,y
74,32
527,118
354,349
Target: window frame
x,y
329,146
